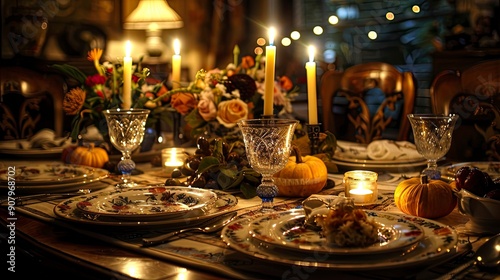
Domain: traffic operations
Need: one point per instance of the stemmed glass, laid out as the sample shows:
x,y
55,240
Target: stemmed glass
x,y
126,132
267,144
432,135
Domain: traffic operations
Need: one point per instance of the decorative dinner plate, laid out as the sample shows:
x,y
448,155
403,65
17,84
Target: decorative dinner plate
x,y
438,244
149,202
490,167
48,174
68,211
286,230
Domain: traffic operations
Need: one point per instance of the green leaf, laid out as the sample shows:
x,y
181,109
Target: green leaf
x,y
224,180
218,151
72,72
237,181
207,163
194,119
248,190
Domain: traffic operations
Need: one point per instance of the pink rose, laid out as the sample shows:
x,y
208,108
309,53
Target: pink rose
x,y
232,111
207,109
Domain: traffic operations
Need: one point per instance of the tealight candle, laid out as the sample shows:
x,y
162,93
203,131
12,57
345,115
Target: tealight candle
x,y
361,185
172,158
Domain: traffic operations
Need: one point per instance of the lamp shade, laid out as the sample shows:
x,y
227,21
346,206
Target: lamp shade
x,y
153,14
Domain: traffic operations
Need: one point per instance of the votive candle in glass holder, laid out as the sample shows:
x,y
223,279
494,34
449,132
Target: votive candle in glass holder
x,y
361,186
172,158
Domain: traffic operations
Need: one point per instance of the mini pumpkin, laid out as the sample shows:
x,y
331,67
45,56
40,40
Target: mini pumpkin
x,y
425,198
301,176
66,153
90,156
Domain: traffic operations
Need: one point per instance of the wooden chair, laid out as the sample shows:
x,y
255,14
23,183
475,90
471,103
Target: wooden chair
x,y
367,102
473,94
30,101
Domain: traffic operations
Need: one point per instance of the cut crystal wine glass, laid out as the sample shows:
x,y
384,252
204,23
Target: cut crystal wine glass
x,y
267,143
126,132
432,135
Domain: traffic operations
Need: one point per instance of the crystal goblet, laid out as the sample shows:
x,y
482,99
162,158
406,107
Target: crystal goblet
x,y
432,135
267,144
126,132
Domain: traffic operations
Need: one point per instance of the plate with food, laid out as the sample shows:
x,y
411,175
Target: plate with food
x,y
68,211
438,244
151,202
287,230
490,167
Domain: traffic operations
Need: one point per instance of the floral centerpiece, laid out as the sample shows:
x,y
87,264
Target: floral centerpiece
x,y
217,99
103,90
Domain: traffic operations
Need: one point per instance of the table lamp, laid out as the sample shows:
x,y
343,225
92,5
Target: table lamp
x,y
153,16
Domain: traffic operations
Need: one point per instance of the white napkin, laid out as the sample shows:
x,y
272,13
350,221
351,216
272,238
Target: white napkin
x,y
43,139
92,134
392,150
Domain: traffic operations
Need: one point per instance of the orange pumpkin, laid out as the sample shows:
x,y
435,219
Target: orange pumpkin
x,y
425,198
302,176
90,156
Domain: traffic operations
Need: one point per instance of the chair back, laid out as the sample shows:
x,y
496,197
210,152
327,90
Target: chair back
x,y
367,102
30,102
473,94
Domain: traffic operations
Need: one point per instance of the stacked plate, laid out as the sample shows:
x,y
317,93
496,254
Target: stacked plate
x,y
354,156
55,177
280,237
146,206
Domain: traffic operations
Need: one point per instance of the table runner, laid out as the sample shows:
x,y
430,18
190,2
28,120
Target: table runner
x,y
208,252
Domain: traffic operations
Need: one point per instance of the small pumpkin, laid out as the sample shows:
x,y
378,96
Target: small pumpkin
x,y
425,198
301,176
66,153
90,156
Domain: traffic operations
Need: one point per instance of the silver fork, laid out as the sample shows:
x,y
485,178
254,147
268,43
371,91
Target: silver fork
x,y
208,226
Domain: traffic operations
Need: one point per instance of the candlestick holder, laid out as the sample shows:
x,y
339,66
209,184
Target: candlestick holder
x,y
313,131
267,116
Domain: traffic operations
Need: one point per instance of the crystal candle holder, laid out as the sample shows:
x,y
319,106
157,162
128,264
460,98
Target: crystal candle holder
x,y
361,186
172,158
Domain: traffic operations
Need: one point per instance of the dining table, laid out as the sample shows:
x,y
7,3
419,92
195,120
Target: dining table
x,y
39,238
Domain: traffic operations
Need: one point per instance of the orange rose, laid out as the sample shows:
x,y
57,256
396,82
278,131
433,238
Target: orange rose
x,y
183,102
247,62
231,111
161,92
286,83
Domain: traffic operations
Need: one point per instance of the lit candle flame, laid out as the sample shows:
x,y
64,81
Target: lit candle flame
x,y
312,51
272,34
177,46
128,48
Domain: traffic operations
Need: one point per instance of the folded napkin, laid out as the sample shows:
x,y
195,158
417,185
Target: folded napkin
x,y
392,150
92,134
43,139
